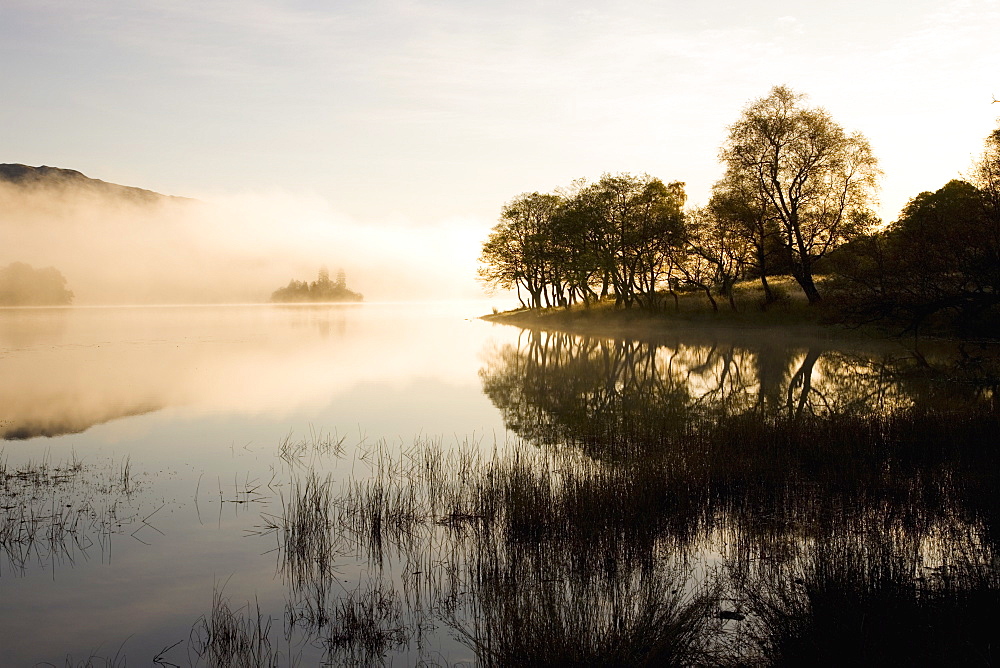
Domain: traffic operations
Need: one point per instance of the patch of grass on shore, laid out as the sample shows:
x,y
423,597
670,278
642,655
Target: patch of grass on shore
x,y
690,310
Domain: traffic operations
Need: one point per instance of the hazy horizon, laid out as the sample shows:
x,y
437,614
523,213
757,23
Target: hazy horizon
x,y
385,137
237,249
429,112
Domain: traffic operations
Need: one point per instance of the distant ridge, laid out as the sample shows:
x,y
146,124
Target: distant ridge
x,y
66,179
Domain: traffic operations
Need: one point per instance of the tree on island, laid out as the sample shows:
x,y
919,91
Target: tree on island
x,y
23,285
321,290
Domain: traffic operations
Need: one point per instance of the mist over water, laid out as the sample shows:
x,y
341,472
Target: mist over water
x,y
231,248
69,369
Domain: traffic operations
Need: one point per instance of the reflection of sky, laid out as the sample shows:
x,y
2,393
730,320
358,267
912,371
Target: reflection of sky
x,y
224,386
384,369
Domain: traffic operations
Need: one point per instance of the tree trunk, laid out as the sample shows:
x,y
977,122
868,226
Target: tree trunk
x,y
730,295
708,293
804,278
769,297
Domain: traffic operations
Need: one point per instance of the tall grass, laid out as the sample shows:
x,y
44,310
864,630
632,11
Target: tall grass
x,y
868,601
545,556
228,638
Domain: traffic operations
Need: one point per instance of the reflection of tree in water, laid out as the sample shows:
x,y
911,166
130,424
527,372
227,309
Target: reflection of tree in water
x,y
836,485
558,388
831,503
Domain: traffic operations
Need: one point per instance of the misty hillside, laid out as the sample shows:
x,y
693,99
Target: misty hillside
x,y
116,244
70,179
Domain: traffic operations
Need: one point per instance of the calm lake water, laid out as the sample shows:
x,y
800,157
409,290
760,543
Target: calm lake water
x,y
195,401
154,460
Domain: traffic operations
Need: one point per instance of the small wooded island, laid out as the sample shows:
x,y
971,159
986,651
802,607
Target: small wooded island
x,y
23,285
321,290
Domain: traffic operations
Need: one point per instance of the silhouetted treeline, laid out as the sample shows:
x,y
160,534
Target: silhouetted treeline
x,y
611,237
321,290
796,187
938,265
22,285
795,200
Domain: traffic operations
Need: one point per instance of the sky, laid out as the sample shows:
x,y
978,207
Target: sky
x,y
428,116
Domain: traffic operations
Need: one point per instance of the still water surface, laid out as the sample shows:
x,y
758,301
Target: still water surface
x,y
196,400
152,451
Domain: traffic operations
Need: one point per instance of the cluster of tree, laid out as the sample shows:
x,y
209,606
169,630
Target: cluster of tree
x,y
796,187
588,241
323,289
938,264
23,285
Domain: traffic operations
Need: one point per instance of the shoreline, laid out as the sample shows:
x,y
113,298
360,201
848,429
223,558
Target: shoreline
x,y
789,325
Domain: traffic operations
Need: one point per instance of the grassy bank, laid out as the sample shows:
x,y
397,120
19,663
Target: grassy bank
x,y
692,310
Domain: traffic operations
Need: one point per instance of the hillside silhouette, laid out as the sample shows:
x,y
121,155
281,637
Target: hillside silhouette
x,y
57,178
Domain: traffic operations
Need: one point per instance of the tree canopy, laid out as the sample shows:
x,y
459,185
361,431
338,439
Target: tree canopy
x,y
794,165
796,198
615,236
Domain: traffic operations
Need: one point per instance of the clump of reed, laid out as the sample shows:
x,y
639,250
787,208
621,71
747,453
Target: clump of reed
x,y
228,638
310,546
545,610
583,538
863,598
314,445
365,625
